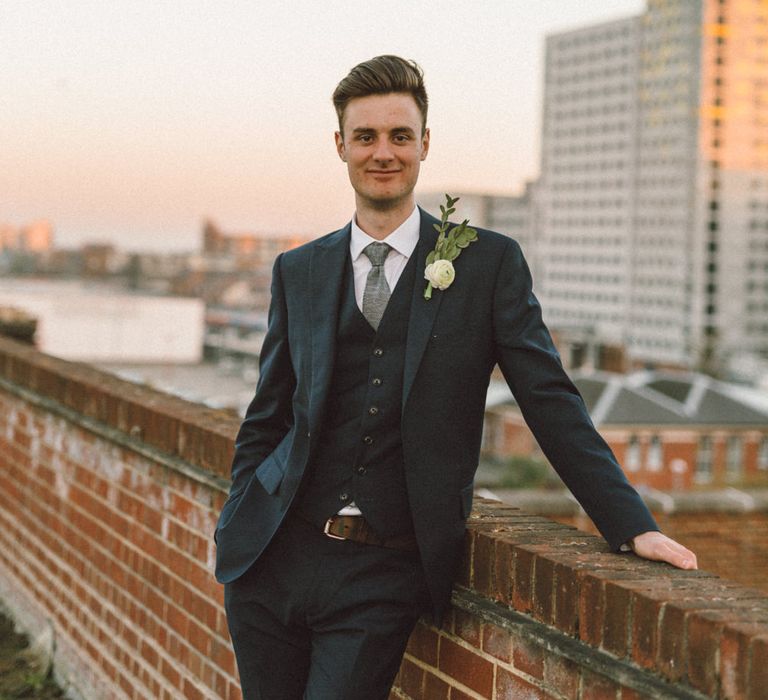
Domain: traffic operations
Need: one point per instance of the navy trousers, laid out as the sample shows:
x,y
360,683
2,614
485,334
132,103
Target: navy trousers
x,y
323,619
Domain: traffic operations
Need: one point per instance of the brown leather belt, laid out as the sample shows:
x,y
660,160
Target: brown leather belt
x,y
355,528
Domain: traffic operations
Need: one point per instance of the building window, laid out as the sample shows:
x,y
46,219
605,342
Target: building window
x,y
632,462
704,460
762,454
734,457
655,455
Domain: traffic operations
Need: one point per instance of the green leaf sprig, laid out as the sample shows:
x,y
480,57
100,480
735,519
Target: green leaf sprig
x,y
449,243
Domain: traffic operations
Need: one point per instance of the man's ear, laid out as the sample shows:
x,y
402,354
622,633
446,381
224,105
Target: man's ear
x,y
340,145
425,144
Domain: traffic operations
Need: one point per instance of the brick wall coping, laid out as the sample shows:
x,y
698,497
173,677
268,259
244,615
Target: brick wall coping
x,y
640,622
196,439
707,635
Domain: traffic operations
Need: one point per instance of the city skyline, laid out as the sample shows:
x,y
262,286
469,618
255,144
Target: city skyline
x,y
132,123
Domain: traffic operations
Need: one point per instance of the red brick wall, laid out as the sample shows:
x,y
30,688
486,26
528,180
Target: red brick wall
x,y
108,499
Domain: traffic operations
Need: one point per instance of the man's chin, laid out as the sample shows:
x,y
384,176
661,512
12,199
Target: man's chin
x,y
386,202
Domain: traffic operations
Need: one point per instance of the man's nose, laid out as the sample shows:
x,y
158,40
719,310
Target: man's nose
x,y
383,150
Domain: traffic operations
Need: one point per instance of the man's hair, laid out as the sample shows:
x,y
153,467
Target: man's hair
x,y
380,76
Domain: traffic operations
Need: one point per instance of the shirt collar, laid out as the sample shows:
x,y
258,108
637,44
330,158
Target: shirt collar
x,y
403,239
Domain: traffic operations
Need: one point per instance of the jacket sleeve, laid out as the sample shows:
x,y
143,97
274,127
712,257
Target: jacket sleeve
x,y
269,416
554,410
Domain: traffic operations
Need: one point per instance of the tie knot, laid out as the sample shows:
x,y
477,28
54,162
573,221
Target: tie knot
x,y
377,253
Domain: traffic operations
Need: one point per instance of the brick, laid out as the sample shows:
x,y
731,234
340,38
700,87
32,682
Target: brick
x,y
466,627
234,692
528,657
672,647
170,673
511,687
435,688
616,620
149,653
543,589
457,694
223,657
596,687
703,639
758,668
191,691
735,643
562,675
501,585
645,626
411,679
566,612
591,615
483,562
522,589
466,667
497,642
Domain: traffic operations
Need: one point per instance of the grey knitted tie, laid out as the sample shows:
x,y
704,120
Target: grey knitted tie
x,y
377,292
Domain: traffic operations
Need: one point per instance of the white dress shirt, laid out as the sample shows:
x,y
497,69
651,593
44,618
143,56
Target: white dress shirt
x,y
403,242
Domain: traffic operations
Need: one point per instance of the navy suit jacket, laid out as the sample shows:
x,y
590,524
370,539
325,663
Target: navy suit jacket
x,y
488,316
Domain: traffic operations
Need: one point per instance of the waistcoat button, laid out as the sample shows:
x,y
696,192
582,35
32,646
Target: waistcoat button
x,y
376,381
373,410
368,440
343,496
361,471
378,352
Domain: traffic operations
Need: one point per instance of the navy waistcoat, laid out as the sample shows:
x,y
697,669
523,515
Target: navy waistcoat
x,y
359,455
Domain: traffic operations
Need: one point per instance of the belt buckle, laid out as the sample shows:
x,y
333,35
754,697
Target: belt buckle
x,y
327,528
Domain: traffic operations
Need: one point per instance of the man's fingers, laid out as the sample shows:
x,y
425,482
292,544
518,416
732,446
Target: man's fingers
x,y
659,547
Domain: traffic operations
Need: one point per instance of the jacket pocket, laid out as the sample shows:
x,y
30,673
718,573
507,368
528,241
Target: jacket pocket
x,y
229,507
270,474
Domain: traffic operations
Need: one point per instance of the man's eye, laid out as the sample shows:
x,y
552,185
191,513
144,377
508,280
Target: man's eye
x,y
401,138
365,138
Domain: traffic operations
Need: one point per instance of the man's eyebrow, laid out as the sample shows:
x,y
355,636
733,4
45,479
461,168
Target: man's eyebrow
x,y
371,130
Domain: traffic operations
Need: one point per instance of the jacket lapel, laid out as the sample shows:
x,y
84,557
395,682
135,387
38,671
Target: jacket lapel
x,y
326,274
423,312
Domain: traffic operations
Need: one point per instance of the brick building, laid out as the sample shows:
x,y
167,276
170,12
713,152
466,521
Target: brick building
x,y
668,430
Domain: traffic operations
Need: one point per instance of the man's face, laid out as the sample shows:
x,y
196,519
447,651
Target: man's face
x,y
383,147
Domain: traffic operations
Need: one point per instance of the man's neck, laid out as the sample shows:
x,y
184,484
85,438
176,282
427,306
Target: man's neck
x,y
379,223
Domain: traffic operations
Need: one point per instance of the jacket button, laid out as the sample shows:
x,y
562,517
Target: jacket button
x,y
368,440
372,411
376,381
361,471
378,352
344,496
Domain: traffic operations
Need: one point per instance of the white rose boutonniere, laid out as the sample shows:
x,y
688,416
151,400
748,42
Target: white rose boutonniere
x,y
440,272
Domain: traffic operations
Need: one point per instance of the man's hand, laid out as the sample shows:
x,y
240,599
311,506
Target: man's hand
x,y
654,545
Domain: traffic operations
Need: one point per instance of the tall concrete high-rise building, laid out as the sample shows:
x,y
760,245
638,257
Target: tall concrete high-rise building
x,y
653,198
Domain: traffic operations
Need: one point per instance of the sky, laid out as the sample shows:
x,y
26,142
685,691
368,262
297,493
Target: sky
x,y
131,122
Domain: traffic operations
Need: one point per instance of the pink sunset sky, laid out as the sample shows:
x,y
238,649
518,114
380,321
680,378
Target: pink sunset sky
x,y
130,122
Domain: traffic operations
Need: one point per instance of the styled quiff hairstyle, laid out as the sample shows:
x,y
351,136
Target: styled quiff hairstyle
x,y
380,76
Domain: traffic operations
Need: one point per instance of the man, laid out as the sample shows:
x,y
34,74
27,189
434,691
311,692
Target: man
x,y
353,469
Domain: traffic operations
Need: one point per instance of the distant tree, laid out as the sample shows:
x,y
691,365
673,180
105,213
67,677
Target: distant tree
x,y
528,473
